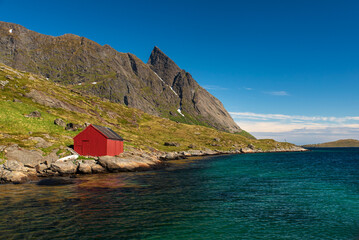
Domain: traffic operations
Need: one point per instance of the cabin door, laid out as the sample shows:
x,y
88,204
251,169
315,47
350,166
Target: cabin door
x,y
86,147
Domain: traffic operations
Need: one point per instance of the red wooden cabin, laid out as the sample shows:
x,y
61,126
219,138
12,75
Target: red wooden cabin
x,y
98,141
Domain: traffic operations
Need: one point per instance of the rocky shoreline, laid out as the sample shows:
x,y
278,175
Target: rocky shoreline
x,y
24,165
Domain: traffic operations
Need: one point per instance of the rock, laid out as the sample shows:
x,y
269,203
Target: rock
x,y
250,146
41,143
41,167
86,124
98,169
185,154
217,139
52,157
43,99
246,150
210,152
196,152
170,156
60,122
13,176
9,77
116,164
192,146
110,163
72,127
174,144
64,167
12,165
34,114
3,83
16,100
30,158
85,166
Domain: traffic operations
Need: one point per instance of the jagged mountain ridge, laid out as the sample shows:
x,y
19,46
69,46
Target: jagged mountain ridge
x,y
160,87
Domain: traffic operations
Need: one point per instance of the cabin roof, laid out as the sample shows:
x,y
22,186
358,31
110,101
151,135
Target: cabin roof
x,y
108,132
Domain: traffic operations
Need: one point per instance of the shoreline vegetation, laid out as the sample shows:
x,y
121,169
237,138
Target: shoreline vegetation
x,y
24,167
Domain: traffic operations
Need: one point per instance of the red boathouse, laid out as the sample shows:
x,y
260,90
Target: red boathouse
x,y
98,141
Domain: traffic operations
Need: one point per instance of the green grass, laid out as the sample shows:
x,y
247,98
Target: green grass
x,y
136,127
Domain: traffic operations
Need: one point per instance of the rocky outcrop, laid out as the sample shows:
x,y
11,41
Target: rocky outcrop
x,y
15,172
34,114
194,100
160,87
18,168
133,163
63,168
43,99
29,158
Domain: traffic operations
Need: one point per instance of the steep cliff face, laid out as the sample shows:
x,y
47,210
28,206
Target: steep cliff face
x,y
160,88
194,100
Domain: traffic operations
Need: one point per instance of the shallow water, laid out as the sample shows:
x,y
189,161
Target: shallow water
x,y
310,195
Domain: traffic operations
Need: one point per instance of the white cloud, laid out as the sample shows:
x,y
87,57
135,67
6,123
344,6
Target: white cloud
x,y
214,87
278,93
259,116
297,128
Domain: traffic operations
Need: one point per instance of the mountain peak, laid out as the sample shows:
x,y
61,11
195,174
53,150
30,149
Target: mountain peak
x,y
165,67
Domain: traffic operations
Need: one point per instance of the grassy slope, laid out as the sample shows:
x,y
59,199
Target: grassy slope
x,y
137,128
338,143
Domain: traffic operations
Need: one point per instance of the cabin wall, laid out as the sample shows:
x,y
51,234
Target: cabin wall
x,y
90,142
114,147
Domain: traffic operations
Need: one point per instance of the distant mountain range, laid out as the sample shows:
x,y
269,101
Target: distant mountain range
x,y
159,87
339,143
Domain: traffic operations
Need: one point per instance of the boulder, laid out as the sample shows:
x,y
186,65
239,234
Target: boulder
x,y
97,168
116,164
30,158
42,167
86,124
64,167
196,153
60,122
73,127
13,176
111,163
44,99
52,157
174,144
41,143
85,166
246,150
250,146
170,156
34,114
3,83
12,165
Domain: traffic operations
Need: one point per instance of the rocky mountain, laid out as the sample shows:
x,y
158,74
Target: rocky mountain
x,y
160,87
338,143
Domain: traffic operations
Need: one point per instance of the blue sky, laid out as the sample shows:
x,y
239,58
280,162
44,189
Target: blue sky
x,y
287,70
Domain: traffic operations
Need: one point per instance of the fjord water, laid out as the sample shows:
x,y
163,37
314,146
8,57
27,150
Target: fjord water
x,y
308,195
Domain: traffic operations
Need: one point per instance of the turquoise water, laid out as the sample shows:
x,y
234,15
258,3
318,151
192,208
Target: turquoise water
x,y
310,195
